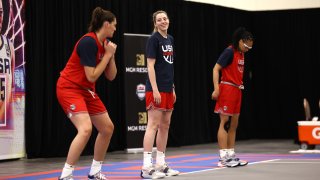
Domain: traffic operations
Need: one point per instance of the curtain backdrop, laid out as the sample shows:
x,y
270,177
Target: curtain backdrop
x,y
280,70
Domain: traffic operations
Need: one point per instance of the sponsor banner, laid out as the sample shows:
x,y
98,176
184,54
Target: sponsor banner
x,y
134,82
12,79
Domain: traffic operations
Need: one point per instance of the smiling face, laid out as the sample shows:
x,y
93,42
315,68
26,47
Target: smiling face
x,y
161,22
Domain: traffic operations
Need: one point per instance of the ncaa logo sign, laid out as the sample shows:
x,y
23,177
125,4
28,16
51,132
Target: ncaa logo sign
x,y
316,133
141,91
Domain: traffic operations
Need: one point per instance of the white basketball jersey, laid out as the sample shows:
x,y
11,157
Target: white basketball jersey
x,y
6,77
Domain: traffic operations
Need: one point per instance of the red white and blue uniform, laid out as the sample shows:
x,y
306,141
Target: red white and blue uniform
x,y
75,93
229,100
161,49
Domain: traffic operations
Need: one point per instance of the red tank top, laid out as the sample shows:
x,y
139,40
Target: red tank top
x,y
234,72
74,70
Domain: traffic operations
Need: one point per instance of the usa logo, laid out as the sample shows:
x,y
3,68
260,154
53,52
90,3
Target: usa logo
x,y
225,108
167,53
141,91
240,65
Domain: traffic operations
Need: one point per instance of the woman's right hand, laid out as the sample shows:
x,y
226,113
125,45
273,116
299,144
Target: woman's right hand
x,y
156,97
215,94
110,47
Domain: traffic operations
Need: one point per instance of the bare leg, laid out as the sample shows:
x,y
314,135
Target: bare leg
x,y
105,128
83,124
162,136
232,131
154,117
222,133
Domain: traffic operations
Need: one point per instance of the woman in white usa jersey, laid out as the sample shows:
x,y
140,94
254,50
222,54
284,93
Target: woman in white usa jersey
x,y
6,82
7,60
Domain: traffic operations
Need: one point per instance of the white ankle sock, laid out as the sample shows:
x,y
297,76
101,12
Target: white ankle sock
x,y
147,159
67,170
95,167
160,158
223,153
231,152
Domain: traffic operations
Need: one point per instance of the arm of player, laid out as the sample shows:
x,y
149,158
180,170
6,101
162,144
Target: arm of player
x,y
216,77
111,70
93,73
152,78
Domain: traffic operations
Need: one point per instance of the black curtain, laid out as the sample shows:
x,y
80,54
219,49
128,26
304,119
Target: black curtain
x,y
281,69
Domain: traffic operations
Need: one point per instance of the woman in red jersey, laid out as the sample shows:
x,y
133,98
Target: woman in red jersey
x,y
92,55
228,94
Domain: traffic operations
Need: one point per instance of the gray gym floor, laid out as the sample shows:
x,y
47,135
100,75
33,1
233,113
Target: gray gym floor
x,y
272,169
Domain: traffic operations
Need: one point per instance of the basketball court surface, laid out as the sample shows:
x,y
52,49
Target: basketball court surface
x,y
268,160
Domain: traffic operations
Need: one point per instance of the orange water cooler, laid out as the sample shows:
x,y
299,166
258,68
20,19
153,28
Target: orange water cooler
x,y
309,134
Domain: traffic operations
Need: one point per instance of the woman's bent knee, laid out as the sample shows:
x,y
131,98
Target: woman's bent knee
x,y
107,130
110,128
85,132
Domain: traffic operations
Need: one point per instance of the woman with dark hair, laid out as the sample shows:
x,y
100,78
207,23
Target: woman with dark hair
x,y
160,97
92,55
227,94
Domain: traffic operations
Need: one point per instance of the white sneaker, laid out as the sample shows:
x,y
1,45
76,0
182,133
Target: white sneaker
x,y
151,173
241,162
228,162
167,170
97,176
70,177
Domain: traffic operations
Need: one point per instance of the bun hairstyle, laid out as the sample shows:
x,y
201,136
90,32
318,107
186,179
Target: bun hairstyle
x,y
99,16
241,33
